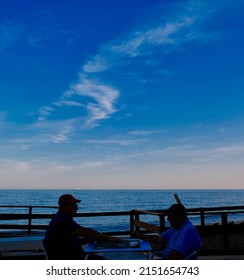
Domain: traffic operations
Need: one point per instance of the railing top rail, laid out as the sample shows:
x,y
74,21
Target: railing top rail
x,y
150,212
79,214
159,212
216,208
27,206
108,213
196,211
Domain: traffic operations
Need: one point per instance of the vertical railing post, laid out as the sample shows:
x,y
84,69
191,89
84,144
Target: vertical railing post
x,y
137,217
202,217
226,240
132,221
30,220
161,223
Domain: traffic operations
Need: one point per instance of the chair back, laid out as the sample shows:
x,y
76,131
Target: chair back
x,y
191,256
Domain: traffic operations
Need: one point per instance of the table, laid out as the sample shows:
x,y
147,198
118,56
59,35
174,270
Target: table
x,y
22,246
126,245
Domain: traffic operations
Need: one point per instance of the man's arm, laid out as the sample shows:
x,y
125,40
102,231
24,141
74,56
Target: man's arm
x,y
94,235
156,240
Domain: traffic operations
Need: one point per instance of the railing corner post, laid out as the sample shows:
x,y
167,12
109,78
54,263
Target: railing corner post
x,y
30,220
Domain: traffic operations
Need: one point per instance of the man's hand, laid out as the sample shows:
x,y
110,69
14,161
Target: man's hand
x,y
115,239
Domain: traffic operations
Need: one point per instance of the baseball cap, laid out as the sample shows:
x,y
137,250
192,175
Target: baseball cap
x,y
176,209
67,198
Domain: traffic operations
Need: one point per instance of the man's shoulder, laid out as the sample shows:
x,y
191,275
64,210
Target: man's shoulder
x,y
190,229
59,217
188,226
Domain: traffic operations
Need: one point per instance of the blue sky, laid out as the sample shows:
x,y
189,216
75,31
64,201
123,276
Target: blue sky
x,y
122,94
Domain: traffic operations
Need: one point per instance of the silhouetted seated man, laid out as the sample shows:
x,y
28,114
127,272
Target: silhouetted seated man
x,y
180,240
62,240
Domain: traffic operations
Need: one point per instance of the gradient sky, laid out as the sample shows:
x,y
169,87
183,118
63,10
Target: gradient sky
x,y
122,94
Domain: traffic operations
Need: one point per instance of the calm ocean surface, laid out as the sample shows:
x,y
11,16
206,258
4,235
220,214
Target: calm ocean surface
x,y
121,200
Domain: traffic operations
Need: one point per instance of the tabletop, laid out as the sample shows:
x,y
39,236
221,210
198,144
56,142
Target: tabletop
x,y
126,245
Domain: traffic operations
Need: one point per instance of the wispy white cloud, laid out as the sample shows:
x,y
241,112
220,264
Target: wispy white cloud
x,y
99,101
168,33
102,98
57,167
15,165
98,63
45,112
54,131
70,103
134,137
159,164
192,153
223,129
145,132
122,142
61,135
161,35
96,98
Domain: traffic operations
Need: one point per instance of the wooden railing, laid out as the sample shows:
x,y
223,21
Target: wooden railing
x,y
223,212
26,217
25,221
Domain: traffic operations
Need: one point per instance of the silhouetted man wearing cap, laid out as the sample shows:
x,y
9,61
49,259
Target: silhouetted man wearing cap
x,y
62,240
178,241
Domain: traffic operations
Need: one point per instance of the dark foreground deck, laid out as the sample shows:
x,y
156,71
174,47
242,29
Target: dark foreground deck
x,y
26,250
